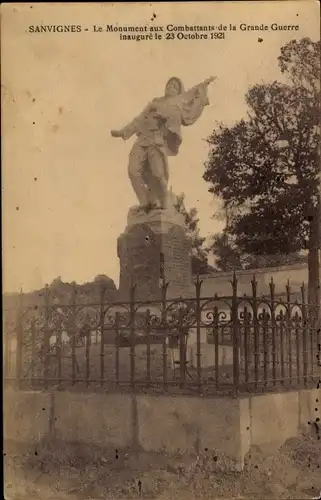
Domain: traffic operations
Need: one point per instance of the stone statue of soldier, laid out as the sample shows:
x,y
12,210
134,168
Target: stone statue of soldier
x,y
158,136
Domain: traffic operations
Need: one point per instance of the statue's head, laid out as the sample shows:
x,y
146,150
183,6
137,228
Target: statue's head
x,y
174,87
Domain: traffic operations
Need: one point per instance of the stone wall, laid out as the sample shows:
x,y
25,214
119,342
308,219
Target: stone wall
x,y
220,282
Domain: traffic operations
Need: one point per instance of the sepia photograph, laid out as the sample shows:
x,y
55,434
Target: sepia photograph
x,y
161,252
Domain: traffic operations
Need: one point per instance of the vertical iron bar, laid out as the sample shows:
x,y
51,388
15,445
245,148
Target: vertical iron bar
x,y
164,354
282,345
235,332
7,349
148,331
19,336
88,345
304,336
256,332
47,339
246,344
317,325
311,337
162,272
102,335
117,337
59,352
198,286
10,342
289,329
132,337
216,345
297,342
163,329
73,334
182,357
33,352
265,331
273,322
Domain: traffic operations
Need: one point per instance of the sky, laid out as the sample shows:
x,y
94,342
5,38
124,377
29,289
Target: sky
x,y
65,188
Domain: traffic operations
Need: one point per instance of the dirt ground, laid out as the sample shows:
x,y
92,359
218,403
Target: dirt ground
x,y
72,473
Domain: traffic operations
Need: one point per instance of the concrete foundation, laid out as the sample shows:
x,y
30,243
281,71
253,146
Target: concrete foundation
x,y
164,424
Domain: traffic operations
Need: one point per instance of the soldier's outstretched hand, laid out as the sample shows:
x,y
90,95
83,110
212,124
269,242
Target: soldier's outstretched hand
x,y
211,79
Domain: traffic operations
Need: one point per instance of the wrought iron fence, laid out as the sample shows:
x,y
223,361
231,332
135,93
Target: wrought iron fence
x,y
208,345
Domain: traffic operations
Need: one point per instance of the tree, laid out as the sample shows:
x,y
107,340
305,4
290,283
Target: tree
x,y
301,62
63,292
199,254
275,189
230,257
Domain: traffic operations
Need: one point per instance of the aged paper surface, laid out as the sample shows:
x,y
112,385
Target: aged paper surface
x,y
161,212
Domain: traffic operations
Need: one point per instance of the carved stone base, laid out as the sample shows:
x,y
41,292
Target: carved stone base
x,y
153,248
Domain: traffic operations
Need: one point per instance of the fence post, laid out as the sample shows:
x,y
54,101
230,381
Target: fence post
x,y
182,350
19,336
148,331
289,329
317,324
6,341
102,334
132,336
33,352
265,331
73,333
272,294
46,367
198,287
216,338
87,335
88,348
281,321
256,332
164,288
117,327
59,353
297,343
235,334
246,322
305,329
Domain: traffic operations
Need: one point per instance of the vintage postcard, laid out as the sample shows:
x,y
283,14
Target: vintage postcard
x,y
161,250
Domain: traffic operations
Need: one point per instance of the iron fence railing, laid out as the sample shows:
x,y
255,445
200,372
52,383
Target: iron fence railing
x,y
208,345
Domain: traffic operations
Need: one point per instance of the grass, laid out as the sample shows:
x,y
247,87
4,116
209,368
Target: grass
x,y
71,471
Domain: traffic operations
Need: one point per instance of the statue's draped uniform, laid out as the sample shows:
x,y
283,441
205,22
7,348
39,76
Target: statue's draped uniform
x,y
158,131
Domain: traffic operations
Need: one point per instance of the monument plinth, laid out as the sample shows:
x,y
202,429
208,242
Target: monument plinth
x,y
154,247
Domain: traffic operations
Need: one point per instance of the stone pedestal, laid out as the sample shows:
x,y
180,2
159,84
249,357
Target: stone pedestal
x,y
154,247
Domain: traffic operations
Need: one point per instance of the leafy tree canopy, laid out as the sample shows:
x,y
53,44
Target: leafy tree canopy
x,y
274,188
